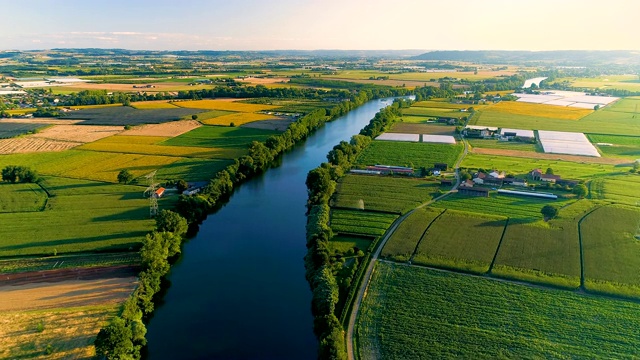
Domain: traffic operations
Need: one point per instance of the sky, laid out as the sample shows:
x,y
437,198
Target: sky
x,y
320,24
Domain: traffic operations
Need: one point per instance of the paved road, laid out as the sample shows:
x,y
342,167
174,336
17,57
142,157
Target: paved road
x,y
367,276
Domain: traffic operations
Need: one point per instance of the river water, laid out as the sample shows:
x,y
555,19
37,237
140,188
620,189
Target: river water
x,y
238,291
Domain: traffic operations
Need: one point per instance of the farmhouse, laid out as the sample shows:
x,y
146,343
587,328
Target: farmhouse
x,y
549,178
481,132
473,191
466,183
159,193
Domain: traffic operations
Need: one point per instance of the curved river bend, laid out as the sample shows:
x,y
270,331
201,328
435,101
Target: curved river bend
x,y
239,291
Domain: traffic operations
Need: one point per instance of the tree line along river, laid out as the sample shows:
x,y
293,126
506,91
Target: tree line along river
x,y
238,290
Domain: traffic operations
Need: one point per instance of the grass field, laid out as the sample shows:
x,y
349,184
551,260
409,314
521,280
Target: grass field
x,y
236,119
434,112
220,137
150,145
223,105
622,82
358,222
212,114
544,253
378,193
518,208
341,244
623,146
81,215
521,166
614,119
506,145
404,240
21,198
415,155
415,313
624,188
461,241
611,260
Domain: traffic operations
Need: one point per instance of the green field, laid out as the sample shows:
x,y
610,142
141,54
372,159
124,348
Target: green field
x,y
403,242
21,198
341,244
81,215
611,260
416,155
192,169
518,208
358,222
378,193
496,144
616,119
542,252
622,82
462,241
220,137
415,313
622,146
434,112
522,166
623,188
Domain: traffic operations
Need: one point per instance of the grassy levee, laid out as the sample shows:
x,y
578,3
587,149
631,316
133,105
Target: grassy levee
x,y
403,242
461,241
413,313
616,119
387,194
399,153
610,251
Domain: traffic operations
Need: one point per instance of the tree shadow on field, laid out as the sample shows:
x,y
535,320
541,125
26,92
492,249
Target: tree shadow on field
x,y
141,213
83,240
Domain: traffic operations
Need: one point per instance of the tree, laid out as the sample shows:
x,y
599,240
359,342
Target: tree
x,y
597,107
114,341
125,177
194,117
170,221
549,212
549,171
580,190
181,185
23,174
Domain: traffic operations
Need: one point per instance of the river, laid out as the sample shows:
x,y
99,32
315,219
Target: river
x,y
238,291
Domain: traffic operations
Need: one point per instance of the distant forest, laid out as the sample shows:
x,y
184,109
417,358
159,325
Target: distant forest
x,y
564,57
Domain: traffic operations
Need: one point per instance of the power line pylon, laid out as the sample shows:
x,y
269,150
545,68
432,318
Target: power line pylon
x,y
151,190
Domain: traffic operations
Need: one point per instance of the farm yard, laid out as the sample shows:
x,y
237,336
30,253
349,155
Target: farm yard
x,y
411,312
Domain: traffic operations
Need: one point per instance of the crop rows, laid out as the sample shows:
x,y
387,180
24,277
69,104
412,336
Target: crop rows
x,y
390,194
416,155
360,222
412,313
403,242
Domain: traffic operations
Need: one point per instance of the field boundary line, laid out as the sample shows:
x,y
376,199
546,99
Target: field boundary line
x,y
581,247
495,256
415,251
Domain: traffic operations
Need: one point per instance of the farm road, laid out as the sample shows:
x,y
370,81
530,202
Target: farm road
x,y
367,276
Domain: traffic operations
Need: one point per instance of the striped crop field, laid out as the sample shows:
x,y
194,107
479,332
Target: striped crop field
x,y
378,193
416,313
416,155
358,222
461,241
404,240
223,105
611,260
236,119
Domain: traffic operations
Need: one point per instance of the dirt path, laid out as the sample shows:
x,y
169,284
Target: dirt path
x,y
362,292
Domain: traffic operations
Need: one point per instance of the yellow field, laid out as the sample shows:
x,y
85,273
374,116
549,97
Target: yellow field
x,y
148,145
65,333
223,105
146,105
540,110
237,119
